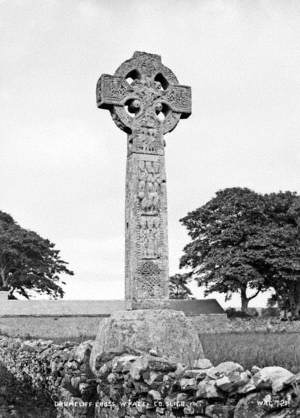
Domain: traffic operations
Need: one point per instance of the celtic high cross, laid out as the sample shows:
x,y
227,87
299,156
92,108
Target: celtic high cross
x,y
146,101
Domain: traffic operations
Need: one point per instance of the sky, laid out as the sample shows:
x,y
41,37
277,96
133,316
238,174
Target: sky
x,y
62,160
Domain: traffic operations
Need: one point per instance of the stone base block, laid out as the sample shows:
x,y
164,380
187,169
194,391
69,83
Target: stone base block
x,y
191,307
170,333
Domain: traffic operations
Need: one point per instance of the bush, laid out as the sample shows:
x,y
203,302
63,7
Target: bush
x,y
253,312
270,312
233,313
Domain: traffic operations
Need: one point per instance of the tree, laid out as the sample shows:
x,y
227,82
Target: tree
x,y
284,250
243,242
28,261
179,287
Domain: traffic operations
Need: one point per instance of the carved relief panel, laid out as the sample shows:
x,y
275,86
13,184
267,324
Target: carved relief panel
x,y
149,236
149,187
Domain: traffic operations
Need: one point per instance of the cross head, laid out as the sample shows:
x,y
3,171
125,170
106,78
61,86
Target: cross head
x,y
145,100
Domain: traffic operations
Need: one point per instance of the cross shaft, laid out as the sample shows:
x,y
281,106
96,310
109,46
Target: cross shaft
x,y
146,101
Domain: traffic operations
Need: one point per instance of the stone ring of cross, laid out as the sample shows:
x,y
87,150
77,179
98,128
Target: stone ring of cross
x,y
144,94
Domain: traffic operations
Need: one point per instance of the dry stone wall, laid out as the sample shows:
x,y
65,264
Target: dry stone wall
x,y
219,324
132,383
263,324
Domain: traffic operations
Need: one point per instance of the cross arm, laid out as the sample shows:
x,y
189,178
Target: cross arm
x,y
112,91
179,98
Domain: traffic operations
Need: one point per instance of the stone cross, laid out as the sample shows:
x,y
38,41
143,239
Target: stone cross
x,y
146,101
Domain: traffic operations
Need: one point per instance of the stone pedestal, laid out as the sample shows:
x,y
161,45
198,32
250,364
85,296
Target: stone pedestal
x,y
191,307
170,333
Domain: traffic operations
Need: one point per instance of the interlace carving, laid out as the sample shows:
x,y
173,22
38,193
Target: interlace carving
x,y
148,283
147,107
149,268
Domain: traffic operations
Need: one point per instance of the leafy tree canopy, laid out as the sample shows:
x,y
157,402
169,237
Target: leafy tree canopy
x,y
243,241
179,288
28,261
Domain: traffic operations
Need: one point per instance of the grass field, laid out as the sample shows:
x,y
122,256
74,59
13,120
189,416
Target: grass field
x,y
249,349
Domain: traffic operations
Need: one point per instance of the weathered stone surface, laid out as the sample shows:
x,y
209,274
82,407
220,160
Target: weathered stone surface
x,y
196,373
83,351
293,380
271,377
170,333
188,383
153,364
255,369
208,390
123,363
202,363
268,405
152,378
224,369
233,381
252,406
219,411
248,388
